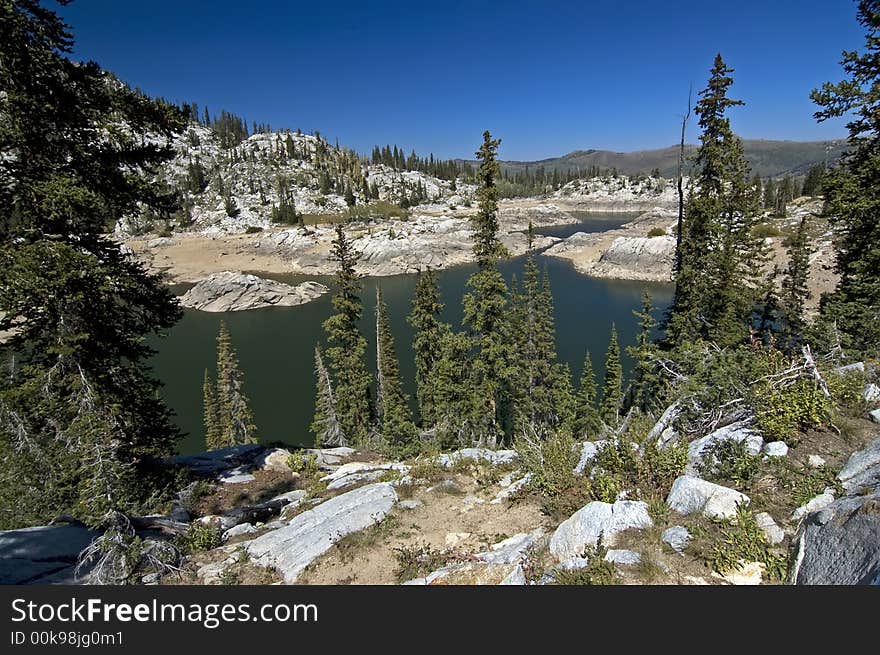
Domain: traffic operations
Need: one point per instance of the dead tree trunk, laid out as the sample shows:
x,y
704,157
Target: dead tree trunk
x,y
684,121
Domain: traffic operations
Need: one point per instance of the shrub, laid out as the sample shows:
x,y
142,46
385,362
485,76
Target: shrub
x,y
599,571
418,561
303,463
730,460
253,229
764,230
741,540
551,461
617,457
201,537
847,391
656,232
605,487
665,465
799,406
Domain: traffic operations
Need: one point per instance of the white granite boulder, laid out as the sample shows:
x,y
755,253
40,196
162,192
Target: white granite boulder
x,y
595,522
690,495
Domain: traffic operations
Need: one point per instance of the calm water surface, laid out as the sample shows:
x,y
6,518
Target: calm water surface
x,y
275,346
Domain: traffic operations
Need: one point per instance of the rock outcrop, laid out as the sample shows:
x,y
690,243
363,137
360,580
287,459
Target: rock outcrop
x,y
234,292
689,495
309,535
597,522
838,544
45,554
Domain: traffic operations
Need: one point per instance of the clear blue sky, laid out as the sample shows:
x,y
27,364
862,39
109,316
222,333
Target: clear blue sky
x,y
546,76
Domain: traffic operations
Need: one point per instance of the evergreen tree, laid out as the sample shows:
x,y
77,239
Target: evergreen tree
x,y
795,291
716,285
235,419
586,424
346,349
325,424
82,426
429,332
396,426
213,433
813,180
645,378
486,302
612,387
852,191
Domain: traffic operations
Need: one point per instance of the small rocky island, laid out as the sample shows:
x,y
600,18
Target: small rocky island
x,y
229,291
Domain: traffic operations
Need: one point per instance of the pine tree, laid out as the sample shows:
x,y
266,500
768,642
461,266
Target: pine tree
x,y
213,433
325,424
795,291
612,386
235,419
347,347
586,422
486,303
644,353
852,192
428,336
82,425
396,426
721,258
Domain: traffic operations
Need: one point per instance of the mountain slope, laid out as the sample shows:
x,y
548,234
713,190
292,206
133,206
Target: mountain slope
x,y
768,158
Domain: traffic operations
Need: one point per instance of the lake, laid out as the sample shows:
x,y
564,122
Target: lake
x,y
275,346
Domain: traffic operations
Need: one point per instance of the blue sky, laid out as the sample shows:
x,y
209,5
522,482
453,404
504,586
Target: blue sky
x,y
547,77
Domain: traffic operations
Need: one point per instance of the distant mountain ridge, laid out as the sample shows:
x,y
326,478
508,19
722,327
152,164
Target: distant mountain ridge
x,y
768,158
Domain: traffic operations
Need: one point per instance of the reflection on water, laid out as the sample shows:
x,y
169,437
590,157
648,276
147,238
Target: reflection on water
x,y
275,346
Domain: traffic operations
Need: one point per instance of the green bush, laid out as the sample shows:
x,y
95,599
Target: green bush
x,y
303,463
730,460
782,412
656,232
418,561
201,537
665,465
253,229
605,487
551,462
599,571
764,230
741,540
847,391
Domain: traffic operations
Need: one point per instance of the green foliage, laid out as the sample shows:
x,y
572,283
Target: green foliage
x,y
598,571
229,420
82,425
765,230
303,463
656,232
730,460
605,487
200,537
847,390
617,456
346,349
551,462
741,540
664,465
782,412
612,391
717,284
418,560
852,195
427,344
586,423
396,427
325,423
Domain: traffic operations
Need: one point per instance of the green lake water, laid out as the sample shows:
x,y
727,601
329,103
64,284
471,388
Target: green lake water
x,y
275,346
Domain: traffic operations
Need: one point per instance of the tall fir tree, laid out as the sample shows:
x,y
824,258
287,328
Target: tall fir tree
x,y
852,191
427,343
721,257
396,427
586,423
325,424
82,425
213,433
346,346
485,305
645,378
235,418
612,386
795,290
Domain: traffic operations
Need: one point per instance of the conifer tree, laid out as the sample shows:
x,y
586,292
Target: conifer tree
x,y
429,332
213,433
82,425
586,422
852,191
612,386
346,346
721,257
644,353
235,419
486,302
795,292
325,424
396,426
